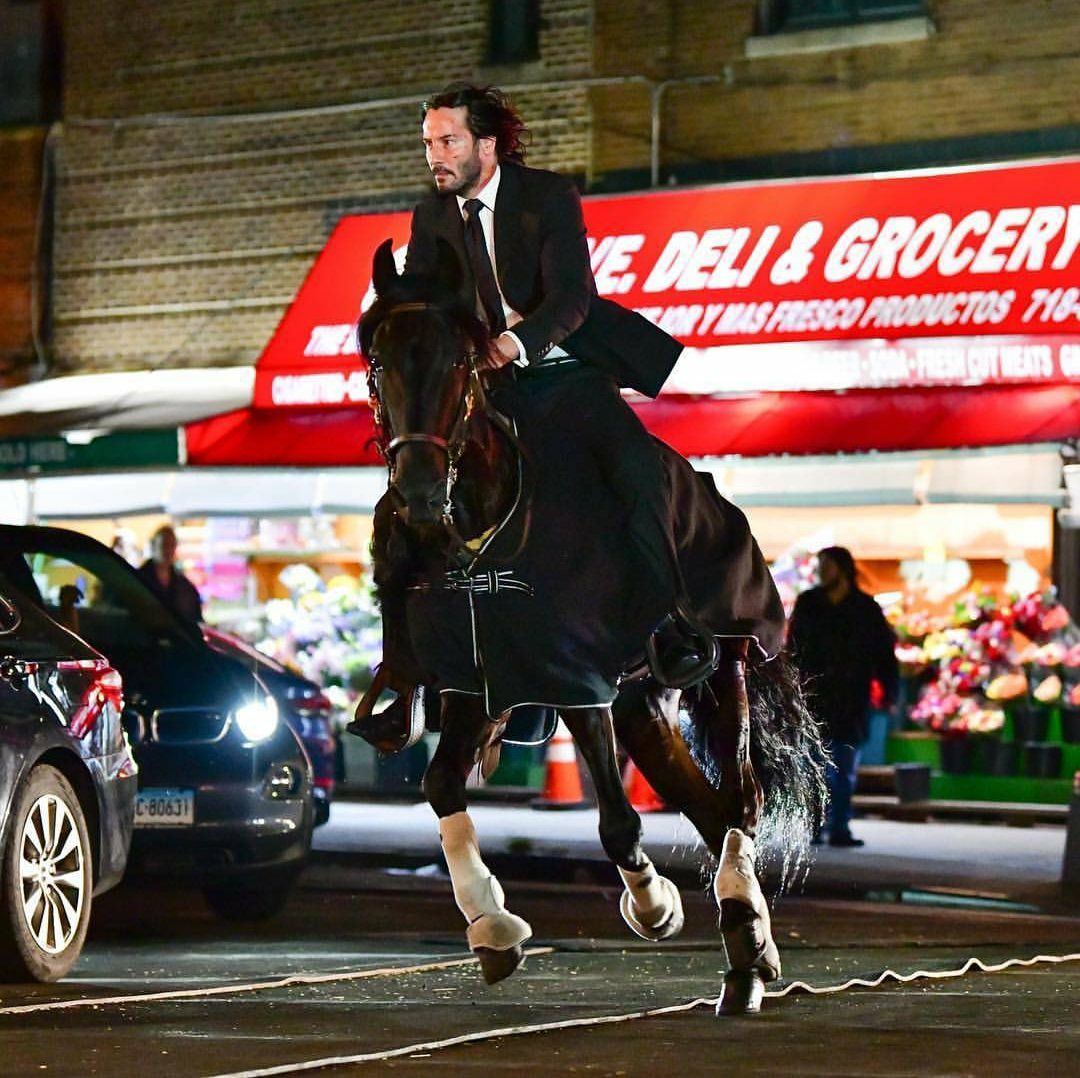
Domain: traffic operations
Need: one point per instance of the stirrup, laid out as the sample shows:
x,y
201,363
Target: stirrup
x,y
398,726
689,653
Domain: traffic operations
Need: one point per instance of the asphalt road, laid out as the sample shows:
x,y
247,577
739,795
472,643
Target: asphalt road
x,y
357,930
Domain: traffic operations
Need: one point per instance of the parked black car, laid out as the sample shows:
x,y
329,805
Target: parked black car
x,y
303,705
225,787
67,789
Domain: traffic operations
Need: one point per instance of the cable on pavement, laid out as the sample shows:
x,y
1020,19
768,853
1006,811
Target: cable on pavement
x,y
290,981
610,1019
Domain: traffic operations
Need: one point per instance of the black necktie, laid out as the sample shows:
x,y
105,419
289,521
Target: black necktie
x,y
486,287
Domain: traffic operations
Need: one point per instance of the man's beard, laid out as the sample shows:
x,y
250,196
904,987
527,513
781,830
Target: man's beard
x,y
469,174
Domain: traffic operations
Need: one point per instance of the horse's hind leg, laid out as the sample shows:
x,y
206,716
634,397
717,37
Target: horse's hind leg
x,y
495,936
745,923
650,903
726,813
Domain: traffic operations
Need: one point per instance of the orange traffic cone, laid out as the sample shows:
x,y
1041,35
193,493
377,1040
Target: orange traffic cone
x,y
562,780
638,791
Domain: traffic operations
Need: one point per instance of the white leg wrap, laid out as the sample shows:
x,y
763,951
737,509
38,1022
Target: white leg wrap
x,y
646,891
477,893
736,878
651,904
748,935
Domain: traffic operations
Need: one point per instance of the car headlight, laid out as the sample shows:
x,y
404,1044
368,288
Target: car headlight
x,y
257,719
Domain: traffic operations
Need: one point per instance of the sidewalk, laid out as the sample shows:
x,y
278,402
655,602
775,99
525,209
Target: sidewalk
x,y
989,863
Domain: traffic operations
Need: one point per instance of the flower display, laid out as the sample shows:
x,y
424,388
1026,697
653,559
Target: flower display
x,y
988,654
329,631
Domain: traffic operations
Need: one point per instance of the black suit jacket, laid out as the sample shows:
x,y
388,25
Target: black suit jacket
x,y
542,262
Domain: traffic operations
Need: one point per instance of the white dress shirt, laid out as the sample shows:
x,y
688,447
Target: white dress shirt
x,y
487,196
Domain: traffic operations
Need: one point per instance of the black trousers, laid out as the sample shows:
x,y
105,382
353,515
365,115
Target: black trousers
x,y
586,404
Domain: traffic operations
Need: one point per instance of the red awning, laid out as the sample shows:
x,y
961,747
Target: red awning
x,y
757,425
911,311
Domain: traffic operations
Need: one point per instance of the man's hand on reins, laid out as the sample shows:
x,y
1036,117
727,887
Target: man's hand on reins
x,y
504,348
501,350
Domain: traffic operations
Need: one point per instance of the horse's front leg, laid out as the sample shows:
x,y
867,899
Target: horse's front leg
x,y
650,903
495,936
745,923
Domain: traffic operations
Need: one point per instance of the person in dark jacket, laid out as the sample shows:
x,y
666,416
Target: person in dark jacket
x,y
841,642
160,574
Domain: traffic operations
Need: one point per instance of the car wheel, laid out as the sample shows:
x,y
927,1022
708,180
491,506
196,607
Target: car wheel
x,y
256,899
46,880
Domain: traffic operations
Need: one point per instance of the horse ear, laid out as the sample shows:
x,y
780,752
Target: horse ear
x,y
383,270
449,266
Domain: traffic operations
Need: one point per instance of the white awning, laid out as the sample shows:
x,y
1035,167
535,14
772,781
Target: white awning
x,y
189,493
123,400
1028,475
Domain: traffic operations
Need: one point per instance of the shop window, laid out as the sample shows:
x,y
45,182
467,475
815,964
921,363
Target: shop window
x,y
783,16
514,36
29,61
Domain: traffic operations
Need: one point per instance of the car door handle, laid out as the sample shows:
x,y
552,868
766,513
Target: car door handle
x,y
12,669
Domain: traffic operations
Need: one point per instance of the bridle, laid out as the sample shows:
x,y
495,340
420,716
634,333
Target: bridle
x,y
454,444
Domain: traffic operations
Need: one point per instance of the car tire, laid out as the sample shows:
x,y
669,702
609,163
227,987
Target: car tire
x,y
255,898
44,898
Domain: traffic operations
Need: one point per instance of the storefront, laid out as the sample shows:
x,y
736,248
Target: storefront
x,y
889,362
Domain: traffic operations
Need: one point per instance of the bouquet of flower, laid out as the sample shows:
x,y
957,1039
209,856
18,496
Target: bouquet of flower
x,y
1039,615
948,712
978,605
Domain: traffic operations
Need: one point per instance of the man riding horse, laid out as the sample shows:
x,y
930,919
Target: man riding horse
x,y
519,236
535,542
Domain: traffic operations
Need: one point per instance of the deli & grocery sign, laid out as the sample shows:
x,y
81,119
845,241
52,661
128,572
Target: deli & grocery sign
x,y
888,271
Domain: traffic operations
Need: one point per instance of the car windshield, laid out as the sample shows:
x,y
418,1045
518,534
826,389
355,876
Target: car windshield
x,y
98,596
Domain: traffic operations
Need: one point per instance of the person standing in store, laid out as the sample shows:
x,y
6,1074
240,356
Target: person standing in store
x,y
160,574
841,642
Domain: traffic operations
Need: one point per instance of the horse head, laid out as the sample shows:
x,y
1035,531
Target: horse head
x,y
421,341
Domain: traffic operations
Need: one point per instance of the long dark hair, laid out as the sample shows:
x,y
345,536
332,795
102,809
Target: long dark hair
x,y
842,558
489,114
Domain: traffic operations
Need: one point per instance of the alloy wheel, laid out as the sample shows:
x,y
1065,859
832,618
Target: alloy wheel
x,y
52,874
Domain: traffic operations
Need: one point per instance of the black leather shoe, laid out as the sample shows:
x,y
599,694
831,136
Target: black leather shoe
x,y
681,651
847,841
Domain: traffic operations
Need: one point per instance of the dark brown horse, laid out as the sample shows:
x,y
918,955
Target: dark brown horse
x,y
747,764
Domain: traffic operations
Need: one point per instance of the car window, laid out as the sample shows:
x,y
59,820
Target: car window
x,y
25,632
100,599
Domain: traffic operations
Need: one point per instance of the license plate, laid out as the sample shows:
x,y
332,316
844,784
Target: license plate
x,y
165,808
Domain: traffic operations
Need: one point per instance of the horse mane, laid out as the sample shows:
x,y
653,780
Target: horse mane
x,y
421,288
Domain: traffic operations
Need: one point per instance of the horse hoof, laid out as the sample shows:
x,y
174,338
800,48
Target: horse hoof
x,y
742,994
498,965
670,926
747,941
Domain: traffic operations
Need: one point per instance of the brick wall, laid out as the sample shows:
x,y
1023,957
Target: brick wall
x,y
181,238
992,66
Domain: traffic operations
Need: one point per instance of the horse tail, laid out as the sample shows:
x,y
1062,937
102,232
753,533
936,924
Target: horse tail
x,y
787,754
789,760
